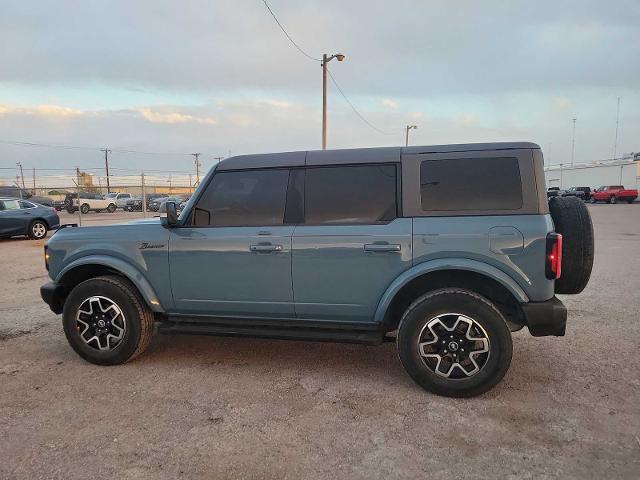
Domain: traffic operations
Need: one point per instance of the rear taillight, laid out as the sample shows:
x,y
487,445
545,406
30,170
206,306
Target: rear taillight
x,y
553,267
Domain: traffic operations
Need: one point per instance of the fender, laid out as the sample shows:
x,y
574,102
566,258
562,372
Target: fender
x,y
447,264
126,269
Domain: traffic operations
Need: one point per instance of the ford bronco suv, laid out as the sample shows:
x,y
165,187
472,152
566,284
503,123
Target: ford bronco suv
x,y
444,249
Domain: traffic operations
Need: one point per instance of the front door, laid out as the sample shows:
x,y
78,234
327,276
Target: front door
x,y
352,244
233,259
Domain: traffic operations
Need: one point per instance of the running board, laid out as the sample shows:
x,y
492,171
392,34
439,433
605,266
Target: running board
x,y
277,329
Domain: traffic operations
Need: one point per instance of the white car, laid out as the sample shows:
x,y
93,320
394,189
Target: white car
x,y
119,198
94,203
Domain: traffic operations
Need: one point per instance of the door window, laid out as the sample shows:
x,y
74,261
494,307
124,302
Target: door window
x,y
471,184
358,194
243,198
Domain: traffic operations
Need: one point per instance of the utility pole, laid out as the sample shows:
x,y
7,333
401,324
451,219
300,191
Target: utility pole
x,y
106,165
19,164
615,143
409,127
197,162
34,180
573,141
326,59
218,158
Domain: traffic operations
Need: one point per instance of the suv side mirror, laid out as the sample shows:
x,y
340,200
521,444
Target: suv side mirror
x,y
171,218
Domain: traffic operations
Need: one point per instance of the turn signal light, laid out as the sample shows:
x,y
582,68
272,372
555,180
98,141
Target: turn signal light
x,y
553,268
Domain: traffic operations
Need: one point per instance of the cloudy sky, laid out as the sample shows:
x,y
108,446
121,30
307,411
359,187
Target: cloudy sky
x,y
220,77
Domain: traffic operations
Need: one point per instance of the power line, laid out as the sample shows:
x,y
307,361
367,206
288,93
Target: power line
x,y
355,110
289,36
79,147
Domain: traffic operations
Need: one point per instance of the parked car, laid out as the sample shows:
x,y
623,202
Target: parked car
x,y
151,198
59,205
120,199
134,204
10,191
451,247
572,192
89,202
613,194
553,192
157,204
582,192
24,217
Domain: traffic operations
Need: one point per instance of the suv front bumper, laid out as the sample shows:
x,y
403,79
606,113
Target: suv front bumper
x,y
545,318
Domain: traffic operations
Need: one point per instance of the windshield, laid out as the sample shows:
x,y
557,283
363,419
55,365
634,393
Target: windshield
x,y
110,195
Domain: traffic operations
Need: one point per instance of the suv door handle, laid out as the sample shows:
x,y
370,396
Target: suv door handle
x,y
265,248
382,247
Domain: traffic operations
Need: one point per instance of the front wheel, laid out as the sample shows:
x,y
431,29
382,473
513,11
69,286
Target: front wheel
x,y
593,200
106,321
454,342
111,208
613,199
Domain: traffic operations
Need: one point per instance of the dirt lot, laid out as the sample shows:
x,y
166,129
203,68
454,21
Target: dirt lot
x,y
206,407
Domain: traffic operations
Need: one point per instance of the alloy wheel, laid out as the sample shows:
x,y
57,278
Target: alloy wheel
x,y
39,230
101,323
454,346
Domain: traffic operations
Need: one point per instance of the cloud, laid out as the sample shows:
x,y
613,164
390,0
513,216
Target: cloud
x,y
387,102
42,110
155,116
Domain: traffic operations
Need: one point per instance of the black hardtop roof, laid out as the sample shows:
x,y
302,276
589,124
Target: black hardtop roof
x,y
357,155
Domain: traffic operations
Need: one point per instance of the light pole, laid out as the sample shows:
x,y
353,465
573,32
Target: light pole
x,y
406,138
573,141
326,59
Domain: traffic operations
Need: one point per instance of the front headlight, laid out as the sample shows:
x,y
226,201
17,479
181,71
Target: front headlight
x,y
47,256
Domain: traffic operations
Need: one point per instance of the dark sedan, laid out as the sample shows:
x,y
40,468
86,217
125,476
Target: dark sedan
x,y
23,217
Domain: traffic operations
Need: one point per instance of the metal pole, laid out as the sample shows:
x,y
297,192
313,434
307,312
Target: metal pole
x,y
573,141
324,101
406,139
144,198
21,174
197,162
560,176
34,181
79,212
106,165
615,143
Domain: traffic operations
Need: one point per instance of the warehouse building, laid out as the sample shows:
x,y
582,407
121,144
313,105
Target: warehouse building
x,y
594,174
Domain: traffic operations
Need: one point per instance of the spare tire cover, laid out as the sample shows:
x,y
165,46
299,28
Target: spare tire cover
x,y
572,219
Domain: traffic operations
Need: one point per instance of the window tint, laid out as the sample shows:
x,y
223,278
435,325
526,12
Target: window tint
x,y
471,184
350,194
246,198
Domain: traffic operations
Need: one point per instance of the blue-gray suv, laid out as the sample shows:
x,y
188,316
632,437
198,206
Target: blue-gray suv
x,y
444,249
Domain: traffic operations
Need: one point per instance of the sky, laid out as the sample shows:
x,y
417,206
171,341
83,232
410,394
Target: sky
x,y
221,78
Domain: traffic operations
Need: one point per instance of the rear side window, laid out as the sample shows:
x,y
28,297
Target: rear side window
x,y
470,184
350,194
244,198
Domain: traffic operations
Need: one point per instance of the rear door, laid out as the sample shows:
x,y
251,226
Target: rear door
x,y
233,258
12,218
352,243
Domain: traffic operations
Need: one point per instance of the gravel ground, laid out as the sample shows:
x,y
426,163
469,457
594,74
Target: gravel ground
x,y
207,407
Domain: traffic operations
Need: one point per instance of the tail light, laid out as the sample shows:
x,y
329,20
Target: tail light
x,y
553,267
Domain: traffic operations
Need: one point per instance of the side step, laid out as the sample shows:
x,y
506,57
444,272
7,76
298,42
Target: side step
x,y
278,329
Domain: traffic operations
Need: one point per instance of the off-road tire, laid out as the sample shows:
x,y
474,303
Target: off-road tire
x,y
463,302
84,208
139,318
572,219
35,233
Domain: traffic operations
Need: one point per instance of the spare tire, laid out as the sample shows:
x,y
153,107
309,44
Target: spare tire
x,y
572,219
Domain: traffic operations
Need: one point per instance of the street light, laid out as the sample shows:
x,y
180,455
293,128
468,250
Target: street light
x,y
409,127
326,59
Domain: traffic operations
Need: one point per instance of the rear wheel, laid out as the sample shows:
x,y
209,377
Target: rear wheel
x,y
613,199
37,230
84,208
106,321
629,200
454,342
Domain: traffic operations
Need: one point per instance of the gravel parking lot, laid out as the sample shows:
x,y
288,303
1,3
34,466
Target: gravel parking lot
x,y
207,407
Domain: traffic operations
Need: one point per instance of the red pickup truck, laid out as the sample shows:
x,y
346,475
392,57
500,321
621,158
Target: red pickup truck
x,y
613,194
